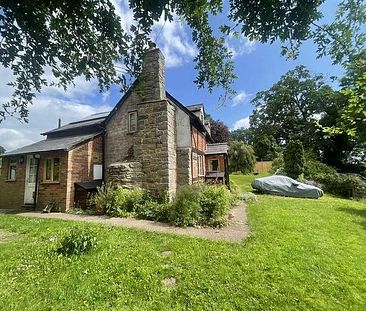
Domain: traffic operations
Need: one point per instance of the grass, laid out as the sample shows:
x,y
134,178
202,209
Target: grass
x,y
302,255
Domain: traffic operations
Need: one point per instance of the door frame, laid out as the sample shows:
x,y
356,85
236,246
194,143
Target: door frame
x,y
26,183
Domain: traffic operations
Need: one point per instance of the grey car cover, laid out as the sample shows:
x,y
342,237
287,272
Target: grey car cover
x,y
286,186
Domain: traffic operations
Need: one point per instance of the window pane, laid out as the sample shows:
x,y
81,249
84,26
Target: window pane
x,y
56,169
132,121
32,170
48,169
214,165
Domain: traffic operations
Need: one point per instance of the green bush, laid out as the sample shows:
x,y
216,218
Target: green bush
x,y
153,210
185,209
77,241
234,193
316,170
277,164
241,157
294,159
215,202
117,201
348,186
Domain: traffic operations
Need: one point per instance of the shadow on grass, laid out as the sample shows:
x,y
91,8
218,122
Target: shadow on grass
x,y
356,212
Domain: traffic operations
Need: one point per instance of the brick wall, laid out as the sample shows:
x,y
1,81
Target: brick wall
x,y
199,146
12,192
53,191
220,158
80,165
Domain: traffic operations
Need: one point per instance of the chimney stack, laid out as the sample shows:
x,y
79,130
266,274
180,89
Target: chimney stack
x,y
153,74
59,122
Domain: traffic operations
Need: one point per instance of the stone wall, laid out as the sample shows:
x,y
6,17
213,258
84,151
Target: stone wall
x,y
125,174
153,145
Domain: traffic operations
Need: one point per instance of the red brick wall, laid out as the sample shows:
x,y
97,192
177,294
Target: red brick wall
x,y
199,146
221,167
54,191
80,164
12,192
75,166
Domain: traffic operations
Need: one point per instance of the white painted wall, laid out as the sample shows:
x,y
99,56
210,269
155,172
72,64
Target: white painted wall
x,y
183,129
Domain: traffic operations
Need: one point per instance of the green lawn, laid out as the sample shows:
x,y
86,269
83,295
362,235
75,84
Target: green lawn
x,y
302,255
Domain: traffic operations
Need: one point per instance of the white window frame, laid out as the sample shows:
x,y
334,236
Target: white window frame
x,y
12,164
132,127
201,168
52,177
97,171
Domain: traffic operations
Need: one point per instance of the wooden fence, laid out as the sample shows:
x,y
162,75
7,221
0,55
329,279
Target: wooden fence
x,y
263,166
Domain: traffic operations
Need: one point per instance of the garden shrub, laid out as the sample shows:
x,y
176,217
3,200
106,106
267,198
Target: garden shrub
x,y
185,209
345,185
117,201
277,165
249,197
241,157
77,241
234,193
294,159
215,204
316,170
153,210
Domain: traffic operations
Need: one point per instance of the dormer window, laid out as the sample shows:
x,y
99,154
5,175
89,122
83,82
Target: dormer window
x,y
132,121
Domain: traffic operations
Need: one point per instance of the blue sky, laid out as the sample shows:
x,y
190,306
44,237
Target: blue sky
x,y
257,66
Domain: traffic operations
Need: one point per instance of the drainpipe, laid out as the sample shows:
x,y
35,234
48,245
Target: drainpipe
x,y
37,157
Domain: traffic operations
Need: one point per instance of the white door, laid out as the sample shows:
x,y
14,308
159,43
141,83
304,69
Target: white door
x,y
30,180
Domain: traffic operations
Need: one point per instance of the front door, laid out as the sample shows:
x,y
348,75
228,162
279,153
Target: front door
x,y
30,180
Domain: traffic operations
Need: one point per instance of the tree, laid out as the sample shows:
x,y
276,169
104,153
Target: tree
x,y
219,131
2,150
244,135
294,159
296,107
85,38
265,148
241,157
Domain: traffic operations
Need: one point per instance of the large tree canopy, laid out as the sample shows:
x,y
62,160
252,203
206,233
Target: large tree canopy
x,y
219,131
85,38
294,107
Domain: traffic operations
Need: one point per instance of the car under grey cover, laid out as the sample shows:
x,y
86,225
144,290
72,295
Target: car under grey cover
x,y
286,186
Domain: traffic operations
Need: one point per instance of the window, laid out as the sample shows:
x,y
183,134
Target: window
x,y
214,165
97,171
132,121
201,170
52,169
12,169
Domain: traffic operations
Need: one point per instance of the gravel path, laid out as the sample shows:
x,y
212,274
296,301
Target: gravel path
x,y
235,232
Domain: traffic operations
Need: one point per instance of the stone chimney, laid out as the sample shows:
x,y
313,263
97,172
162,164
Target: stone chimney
x,y
153,74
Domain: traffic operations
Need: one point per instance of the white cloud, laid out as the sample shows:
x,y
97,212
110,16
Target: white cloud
x,y
48,107
240,46
242,123
239,98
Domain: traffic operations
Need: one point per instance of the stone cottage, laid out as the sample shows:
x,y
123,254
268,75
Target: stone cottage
x,y
149,139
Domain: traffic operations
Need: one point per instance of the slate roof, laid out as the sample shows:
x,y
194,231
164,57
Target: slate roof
x,y
52,144
94,119
220,148
195,107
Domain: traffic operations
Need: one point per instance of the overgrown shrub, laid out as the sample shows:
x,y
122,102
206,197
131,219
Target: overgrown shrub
x,y
77,241
316,170
153,210
294,159
117,201
234,193
215,202
185,209
249,197
345,185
